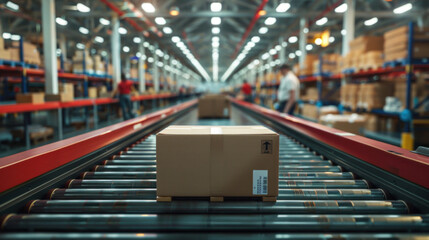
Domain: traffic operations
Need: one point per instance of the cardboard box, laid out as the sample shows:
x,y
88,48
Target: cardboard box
x,y
213,106
92,92
30,97
219,161
348,123
61,97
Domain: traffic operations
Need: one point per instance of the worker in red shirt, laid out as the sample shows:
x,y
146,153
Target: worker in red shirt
x,y
246,90
125,88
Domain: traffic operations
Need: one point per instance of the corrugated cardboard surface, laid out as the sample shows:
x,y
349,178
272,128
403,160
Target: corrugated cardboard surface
x,y
213,106
215,161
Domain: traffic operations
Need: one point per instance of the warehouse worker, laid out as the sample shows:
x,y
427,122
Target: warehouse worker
x,y
246,90
125,88
288,92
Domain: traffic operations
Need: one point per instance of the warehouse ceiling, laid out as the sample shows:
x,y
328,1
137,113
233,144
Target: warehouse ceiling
x,y
195,26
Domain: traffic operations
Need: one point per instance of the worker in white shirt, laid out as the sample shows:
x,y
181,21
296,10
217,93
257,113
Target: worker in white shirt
x,y
288,92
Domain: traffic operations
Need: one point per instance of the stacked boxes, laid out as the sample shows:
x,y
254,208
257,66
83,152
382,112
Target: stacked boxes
x,y
349,95
307,68
396,43
31,54
373,95
99,67
218,161
78,62
330,62
213,106
362,49
311,94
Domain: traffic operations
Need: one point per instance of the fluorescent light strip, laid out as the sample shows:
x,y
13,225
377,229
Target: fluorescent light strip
x,y
404,8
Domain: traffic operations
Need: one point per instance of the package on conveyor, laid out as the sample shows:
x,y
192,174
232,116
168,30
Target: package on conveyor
x,y
37,97
349,123
78,62
66,93
373,95
396,43
213,106
217,161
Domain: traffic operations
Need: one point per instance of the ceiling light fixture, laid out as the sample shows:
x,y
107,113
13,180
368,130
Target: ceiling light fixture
x,y
322,21
160,21
404,8
126,49
82,8
255,39
148,7
215,30
99,39
61,21
342,8
263,30
216,6
216,20
270,21
122,31
83,30
104,21
12,6
282,7
167,30
371,21
137,40
174,11
293,39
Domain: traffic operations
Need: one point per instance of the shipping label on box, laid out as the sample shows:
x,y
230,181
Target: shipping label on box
x,y
223,161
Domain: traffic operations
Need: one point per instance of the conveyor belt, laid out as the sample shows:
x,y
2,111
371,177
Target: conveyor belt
x,y
317,200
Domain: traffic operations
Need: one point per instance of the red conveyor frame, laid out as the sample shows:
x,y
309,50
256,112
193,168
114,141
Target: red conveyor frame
x,y
400,162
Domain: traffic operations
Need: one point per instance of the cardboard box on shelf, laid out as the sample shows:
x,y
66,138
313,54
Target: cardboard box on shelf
x,y
364,44
30,97
217,161
92,92
348,123
213,106
1,44
310,111
396,43
66,88
61,97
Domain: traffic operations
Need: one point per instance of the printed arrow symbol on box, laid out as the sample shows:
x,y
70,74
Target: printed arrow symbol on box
x,y
266,145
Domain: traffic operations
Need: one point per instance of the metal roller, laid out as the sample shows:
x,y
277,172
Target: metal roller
x,y
119,175
318,162
132,157
286,168
293,156
315,175
213,236
282,168
121,168
284,194
143,148
360,184
134,152
129,162
205,207
221,222
117,183
138,183
153,162
282,176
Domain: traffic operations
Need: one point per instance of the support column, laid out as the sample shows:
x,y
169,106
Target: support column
x,y
116,50
282,53
173,80
164,72
155,70
349,25
128,65
302,41
141,71
261,71
63,46
49,46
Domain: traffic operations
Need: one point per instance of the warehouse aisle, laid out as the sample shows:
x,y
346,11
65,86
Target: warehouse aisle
x,y
315,197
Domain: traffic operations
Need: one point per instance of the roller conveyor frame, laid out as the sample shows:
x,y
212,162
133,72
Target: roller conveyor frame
x,y
131,131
